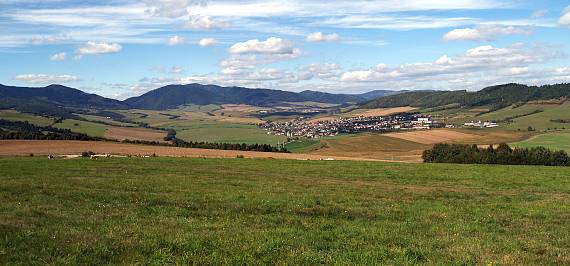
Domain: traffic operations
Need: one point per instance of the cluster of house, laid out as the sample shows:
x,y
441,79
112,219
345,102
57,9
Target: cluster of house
x,y
479,124
312,129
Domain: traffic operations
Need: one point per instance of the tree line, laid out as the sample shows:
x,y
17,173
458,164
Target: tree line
x,y
212,145
25,130
503,154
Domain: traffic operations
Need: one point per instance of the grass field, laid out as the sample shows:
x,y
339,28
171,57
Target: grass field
x,y
88,128
554,141
238,211
33,119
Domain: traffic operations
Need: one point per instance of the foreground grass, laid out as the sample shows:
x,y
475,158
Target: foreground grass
x,y
242,211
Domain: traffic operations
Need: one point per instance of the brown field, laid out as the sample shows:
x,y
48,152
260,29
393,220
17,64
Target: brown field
x,y
242,108
64,147
385,111
433,136
122,133
373,146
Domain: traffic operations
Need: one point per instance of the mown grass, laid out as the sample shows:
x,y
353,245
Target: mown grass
x,y
244,211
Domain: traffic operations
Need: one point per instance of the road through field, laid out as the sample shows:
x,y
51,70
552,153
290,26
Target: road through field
x,y
64,147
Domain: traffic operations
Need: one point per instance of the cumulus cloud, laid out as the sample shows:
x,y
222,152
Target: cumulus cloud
x,y
200,22
320,37
272,45
175,40
44,79
168,8
477,63
205,42
58,57
565,18
98,48
484,33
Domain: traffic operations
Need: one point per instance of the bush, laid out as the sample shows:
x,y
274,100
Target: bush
x,y
87,154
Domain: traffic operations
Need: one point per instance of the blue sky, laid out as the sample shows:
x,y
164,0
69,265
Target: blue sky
x,y
122,48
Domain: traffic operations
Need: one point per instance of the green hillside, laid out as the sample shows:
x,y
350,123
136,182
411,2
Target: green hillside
x,y
497,97
161,211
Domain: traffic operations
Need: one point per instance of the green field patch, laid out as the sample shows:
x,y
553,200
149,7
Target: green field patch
x,y
95,118
304,145
32,119
157,211
553,141
88,128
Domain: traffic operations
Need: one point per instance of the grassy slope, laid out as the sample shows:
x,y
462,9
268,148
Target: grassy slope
x,y
33,119
162,210
555,141
89,128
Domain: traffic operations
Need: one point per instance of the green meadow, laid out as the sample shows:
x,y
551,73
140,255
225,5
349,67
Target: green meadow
x,y
88,128
161,211
554,141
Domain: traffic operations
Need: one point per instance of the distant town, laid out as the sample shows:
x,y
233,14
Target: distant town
x,y
303,127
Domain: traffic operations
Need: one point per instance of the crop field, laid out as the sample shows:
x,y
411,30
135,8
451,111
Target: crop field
x,y
372,146
246,211
214,131
88,128
122,133
33,119
554,141
95,118
381,111
432,136
74,148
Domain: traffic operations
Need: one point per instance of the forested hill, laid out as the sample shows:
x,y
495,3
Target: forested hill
x,y
54,95
172,96
496,96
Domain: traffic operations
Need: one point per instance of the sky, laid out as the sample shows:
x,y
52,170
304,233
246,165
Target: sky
x,y
124,48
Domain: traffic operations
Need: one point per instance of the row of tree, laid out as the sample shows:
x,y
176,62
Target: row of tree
x,y
24,130
503,154
212,145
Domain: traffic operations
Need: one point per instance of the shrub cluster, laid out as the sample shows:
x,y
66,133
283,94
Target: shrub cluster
x,y
503,154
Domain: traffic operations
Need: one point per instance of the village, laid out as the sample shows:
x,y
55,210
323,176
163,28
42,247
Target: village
x,y
303,127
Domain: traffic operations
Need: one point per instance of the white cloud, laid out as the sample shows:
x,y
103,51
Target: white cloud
x,y
168,8
177,70
49,39
58,57
175,40
99,48
539,13
272,45
205,42
565,18
200,22
320,37
484,33
471,69
43,78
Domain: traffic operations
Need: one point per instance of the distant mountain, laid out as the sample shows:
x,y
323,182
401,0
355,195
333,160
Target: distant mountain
x,y
495,96
172,96
375,94
57,95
